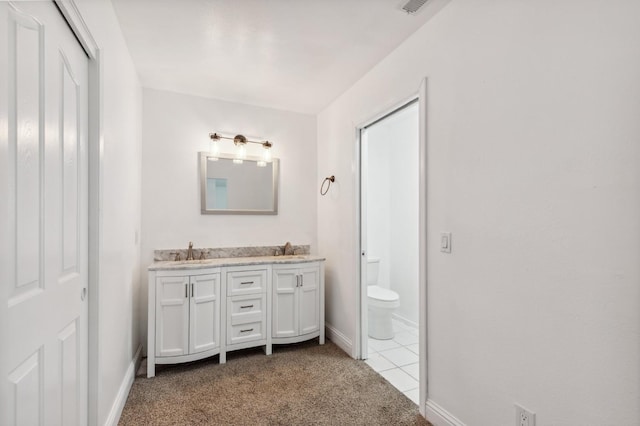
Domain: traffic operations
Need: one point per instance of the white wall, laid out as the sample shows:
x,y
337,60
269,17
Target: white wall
x,y
533,160
176,127
120,259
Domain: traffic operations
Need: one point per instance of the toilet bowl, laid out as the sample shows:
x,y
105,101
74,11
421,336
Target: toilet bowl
x,y
381,302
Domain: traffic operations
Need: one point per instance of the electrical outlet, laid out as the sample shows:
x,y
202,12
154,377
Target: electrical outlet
x,y
525,417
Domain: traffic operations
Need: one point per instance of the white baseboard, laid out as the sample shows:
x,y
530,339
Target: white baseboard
x,y
438,416
404,320
123,392
339,339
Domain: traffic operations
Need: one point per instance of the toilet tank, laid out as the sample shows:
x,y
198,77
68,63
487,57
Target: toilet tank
x,y
373,267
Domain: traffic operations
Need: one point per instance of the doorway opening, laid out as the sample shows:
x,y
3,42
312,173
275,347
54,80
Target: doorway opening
x,y
390,247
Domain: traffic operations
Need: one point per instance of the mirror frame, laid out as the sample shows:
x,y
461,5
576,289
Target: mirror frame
x,y
203,186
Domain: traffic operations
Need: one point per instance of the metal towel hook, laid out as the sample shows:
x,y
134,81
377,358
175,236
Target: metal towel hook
x,y
328,181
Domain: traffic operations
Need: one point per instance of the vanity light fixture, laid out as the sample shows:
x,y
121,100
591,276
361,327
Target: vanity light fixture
x,y
241,151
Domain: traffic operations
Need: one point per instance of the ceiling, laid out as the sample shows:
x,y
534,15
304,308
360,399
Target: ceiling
x,y
296,55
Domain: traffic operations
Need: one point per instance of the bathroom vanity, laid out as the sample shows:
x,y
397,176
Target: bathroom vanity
x,y
201,308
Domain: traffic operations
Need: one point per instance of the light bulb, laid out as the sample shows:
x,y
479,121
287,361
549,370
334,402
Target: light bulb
x,y
214,150
241,154
266,155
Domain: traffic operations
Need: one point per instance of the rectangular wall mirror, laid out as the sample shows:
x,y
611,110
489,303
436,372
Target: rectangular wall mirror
x,y
230,188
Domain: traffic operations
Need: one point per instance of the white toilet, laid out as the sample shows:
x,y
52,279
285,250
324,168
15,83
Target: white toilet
x,y
381,303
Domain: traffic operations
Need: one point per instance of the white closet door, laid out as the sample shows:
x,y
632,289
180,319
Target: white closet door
x,y
43,218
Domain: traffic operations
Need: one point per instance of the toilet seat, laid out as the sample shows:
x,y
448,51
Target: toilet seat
x,y
382,297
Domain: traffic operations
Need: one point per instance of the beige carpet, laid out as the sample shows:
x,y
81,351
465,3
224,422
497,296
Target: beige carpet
x,y
300,384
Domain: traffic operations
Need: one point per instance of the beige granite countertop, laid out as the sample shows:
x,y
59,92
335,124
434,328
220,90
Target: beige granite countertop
x,y
168,265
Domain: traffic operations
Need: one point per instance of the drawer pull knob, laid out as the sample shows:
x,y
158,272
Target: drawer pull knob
x,y
246,282
246,306
247,330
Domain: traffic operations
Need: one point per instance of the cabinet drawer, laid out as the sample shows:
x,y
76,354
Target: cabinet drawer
x,y
245,309
246,282
241,333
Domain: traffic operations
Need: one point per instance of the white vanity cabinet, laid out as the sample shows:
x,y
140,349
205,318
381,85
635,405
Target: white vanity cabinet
x,y
246,317
298,302
202,308
184,316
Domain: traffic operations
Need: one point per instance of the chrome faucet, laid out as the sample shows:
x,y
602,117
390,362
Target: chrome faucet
x,y
190,251
287,249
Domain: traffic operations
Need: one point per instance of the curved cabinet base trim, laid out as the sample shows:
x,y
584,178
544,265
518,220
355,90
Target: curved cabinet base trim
x,y
152,361
187,358
296,339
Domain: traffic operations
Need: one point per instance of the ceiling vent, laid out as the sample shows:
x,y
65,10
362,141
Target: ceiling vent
x,y
413,6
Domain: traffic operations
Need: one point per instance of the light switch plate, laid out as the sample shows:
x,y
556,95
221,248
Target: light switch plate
x,y
445,242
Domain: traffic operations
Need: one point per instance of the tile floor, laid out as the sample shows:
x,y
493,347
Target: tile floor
x,y
397,359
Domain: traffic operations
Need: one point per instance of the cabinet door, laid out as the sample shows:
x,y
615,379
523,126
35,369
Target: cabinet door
x,y
204,312
285,304
172,316
309,300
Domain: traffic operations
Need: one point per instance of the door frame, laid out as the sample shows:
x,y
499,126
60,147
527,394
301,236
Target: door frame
x,y
420,96
80,29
